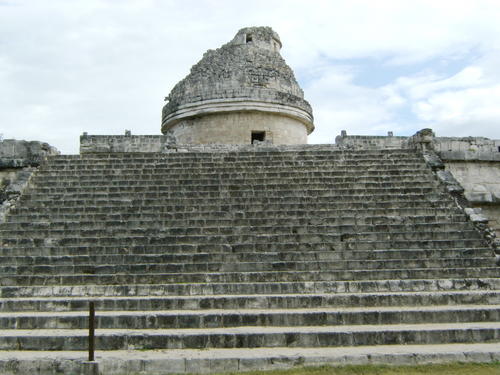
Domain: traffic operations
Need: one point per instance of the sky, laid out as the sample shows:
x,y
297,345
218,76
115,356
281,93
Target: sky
x,y
366,66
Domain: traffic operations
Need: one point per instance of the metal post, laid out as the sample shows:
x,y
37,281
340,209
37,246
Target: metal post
x,y
91,331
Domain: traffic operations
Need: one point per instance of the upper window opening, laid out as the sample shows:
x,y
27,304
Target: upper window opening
x,y
249,38
498,148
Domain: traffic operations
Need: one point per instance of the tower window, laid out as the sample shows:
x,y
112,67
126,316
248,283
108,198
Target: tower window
x,y
248,38
498,148
258,136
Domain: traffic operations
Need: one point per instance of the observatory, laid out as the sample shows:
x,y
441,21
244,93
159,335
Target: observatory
x,y
239,93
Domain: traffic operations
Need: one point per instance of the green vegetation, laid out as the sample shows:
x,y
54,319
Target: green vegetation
x,y
441,369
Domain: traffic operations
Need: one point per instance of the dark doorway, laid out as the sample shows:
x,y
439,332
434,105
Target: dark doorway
x,y
258,136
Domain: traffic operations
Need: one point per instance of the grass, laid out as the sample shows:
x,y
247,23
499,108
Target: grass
x,y
438,369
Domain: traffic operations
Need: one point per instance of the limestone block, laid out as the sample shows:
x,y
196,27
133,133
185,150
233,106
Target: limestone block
x,y
479,196
476,215
467,148
123,143
452,184
433,161
370,142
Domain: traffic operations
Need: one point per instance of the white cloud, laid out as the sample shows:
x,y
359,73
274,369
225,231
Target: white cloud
x,y
462,104
470,76
463,112
404,31
339,104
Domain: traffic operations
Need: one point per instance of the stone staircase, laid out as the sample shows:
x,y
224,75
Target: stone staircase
x,y
323,255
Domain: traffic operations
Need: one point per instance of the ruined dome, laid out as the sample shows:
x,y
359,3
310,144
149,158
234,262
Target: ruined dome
x,y
244,86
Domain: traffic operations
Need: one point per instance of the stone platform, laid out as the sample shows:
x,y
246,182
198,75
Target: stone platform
x,y
222,259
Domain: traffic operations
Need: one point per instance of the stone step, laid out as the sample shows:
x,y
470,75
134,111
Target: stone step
x,y
163,228
228,174
186,319
242,163
237,162
236,176
222,151
251,337
222,200
351,176
45,247
238,157
154,221
388,212
422,203
217,214
229,208
342,224
176,186
359,241
331,152
255,169
293,295
297,287
101,257
232,156
189,361
209,160
208,157
287,201
300,193
161,268
238,217
249,277
267,178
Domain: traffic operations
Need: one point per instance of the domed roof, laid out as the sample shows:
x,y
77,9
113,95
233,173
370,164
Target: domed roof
x,y
248,73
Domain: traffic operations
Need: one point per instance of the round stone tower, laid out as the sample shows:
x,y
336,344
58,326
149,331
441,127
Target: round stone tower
x,y
238,94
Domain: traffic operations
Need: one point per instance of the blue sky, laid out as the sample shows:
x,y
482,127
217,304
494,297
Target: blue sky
x,y
368,67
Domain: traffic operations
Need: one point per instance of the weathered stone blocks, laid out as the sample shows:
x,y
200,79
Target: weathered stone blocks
x,y
238,94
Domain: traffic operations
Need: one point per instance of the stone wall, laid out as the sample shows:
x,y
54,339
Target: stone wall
x,y
370,142
160,143
123,143
237,128
18,154
467,148
18,160
475,163
480,179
